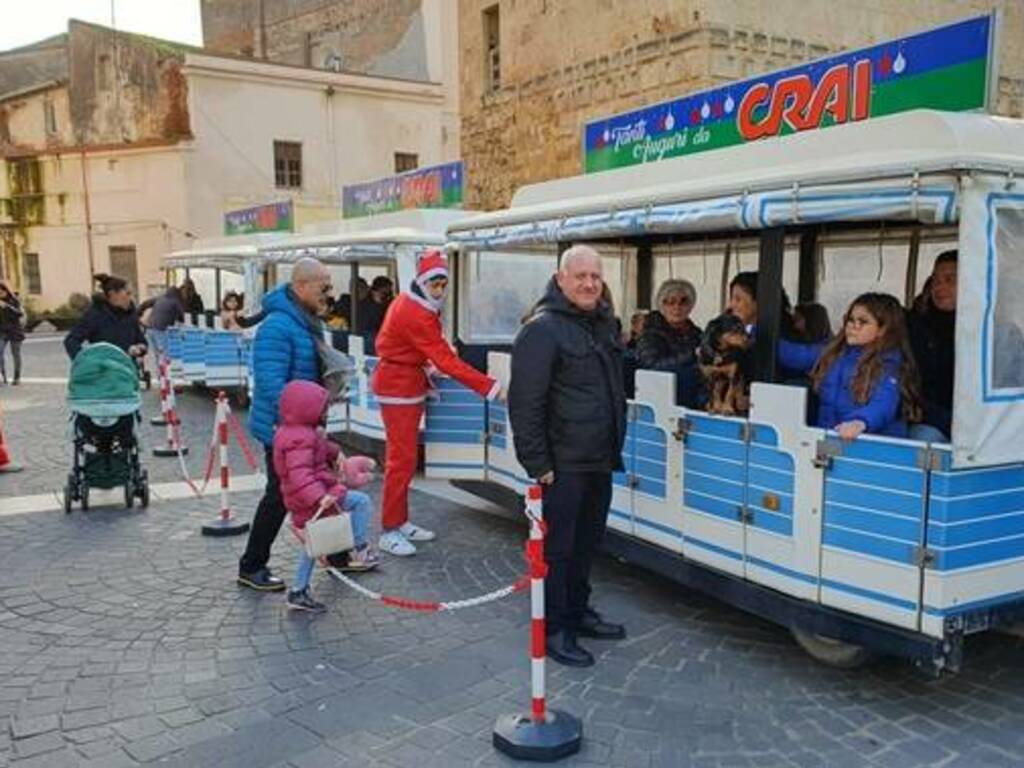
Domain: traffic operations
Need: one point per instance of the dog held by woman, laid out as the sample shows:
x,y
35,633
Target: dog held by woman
x,y
724,362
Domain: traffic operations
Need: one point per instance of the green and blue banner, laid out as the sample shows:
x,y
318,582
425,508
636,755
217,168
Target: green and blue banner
x,y
439,186
948,68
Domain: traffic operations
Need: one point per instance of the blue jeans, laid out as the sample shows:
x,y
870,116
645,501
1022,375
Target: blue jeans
x,y
360,510
926,433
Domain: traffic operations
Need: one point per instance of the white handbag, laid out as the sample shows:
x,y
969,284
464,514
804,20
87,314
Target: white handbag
x,y
328,535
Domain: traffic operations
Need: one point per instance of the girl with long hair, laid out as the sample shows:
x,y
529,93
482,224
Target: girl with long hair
x,y
865,377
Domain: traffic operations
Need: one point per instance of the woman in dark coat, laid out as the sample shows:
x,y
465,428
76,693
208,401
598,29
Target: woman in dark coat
x,y
111,318
11,331
670,339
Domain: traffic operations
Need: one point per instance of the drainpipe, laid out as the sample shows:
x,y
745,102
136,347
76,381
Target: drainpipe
x,y
88,219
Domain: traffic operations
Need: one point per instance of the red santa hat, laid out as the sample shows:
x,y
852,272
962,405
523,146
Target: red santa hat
x,y
431,264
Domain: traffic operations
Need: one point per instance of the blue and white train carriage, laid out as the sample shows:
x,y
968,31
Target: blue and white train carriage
x,y
879,544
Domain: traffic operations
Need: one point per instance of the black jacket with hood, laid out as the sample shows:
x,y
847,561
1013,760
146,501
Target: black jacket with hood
x,y
566,399
105,322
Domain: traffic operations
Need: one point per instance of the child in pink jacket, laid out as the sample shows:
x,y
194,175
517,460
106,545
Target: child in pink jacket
x,y
311,475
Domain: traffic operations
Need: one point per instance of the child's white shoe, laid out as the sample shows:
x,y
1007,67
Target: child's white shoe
x,y
394,543
413,532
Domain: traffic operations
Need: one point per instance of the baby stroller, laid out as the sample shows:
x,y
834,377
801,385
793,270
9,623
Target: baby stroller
x,y
103,394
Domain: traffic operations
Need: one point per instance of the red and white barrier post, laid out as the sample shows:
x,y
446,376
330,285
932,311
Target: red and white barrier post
x,y
175,445
164,382
544,735
225,524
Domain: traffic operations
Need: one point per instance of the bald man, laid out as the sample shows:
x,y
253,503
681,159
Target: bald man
x,y
567,406
285,349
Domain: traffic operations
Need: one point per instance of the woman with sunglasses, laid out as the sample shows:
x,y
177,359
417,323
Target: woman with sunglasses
x,y
111,318
670,339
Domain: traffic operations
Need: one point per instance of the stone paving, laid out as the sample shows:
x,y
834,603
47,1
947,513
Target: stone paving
x,y
125,642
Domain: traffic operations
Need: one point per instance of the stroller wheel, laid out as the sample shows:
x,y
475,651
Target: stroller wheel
x,y
129,494
84,496
144,489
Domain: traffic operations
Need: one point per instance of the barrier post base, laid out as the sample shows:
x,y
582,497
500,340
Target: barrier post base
x,y
158,421
7,469
521,738
225,527
165,451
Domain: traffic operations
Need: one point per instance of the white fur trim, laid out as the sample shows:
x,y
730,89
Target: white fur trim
x,y
430,274
386,400
495,390
424,302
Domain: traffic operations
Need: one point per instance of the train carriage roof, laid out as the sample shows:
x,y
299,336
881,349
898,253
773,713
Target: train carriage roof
x,y
882,150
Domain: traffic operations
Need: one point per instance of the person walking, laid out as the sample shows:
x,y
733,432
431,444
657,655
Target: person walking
x,y
285,349
409,341
12,331
567,408
159,314
112,318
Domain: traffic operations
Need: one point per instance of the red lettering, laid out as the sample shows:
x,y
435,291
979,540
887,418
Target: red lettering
x,y
752,99
790,99
832,95
861,90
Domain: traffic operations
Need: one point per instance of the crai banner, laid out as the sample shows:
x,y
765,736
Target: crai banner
x,y
948,68
274,217
439,186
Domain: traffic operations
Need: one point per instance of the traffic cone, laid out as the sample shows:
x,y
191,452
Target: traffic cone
x,y
6,465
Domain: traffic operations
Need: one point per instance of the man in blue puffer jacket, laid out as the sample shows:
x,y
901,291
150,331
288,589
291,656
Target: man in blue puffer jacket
x,y
285,349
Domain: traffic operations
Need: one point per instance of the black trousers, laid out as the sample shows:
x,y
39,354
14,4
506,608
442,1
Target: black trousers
x,y
266,523
576,513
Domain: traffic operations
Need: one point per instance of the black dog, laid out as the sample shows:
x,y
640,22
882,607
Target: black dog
x,y
723,361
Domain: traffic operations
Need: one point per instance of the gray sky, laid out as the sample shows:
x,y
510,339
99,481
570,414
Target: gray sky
x,y
31,20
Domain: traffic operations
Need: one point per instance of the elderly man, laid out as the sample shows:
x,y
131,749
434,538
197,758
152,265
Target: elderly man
x,y
568,412
285,349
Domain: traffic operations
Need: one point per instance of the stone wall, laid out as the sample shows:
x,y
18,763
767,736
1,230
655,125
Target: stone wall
x,y
565,62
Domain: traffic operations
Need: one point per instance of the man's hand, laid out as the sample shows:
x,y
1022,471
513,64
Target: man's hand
x,y
547,478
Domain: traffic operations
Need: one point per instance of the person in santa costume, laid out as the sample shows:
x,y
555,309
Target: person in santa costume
x,y
410,344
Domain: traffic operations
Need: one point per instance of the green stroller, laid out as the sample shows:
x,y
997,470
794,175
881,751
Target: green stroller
x,y
103,395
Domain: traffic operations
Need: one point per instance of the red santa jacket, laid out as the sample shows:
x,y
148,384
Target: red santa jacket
x,y
409,339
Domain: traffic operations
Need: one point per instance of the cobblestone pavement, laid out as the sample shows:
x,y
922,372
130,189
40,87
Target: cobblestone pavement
x,y
125,642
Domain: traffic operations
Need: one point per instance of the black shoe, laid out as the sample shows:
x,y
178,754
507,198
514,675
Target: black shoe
x,y
592,625
302,600
563,648
262,580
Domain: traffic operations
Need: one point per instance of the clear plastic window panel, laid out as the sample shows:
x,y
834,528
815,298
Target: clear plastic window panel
x,y
615,265
499,288
849,268
1007,331
205,279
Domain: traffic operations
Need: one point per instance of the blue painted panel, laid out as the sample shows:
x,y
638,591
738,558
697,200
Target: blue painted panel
x,y
949,484
727,449
734,492
714,467
650,433
866,521
710,506
474,410
980,554
458,425
766,457
874,498
651,452
853,541
718,427
909,480
764,435
771,521
620,479
453,437
892,454
978,531
651,487
498,441
766,479
461,397
974,507
755,496
649,469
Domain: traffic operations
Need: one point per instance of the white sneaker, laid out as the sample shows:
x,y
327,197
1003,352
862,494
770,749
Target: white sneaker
x,y
415,533
394,543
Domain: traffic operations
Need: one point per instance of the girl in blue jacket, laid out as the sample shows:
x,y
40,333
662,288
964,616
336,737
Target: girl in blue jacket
x,y
865,377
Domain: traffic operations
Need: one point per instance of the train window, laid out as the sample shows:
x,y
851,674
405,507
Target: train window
x,y
205,280
1007,332
497,289
616,264
854,263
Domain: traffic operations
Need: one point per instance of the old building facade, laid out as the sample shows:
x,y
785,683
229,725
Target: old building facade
x,y
116,149
535,72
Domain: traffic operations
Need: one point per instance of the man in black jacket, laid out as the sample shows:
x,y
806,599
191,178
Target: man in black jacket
x,y
568,412
933,340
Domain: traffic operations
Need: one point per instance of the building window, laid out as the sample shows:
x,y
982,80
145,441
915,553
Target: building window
x,y
492,48
123,264
30,273
50,117
288,164
406,161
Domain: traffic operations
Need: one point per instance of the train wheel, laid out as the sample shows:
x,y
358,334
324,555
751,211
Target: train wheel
x,y
831,652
